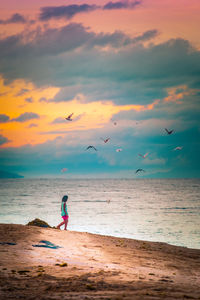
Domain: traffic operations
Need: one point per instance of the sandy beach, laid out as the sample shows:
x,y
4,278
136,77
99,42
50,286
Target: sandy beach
x,y
46,263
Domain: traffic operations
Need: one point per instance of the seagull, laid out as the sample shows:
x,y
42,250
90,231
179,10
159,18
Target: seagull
x,y
90,147
114,122
106,140
178,148
69,118
145,155
119,150
169,131
139,170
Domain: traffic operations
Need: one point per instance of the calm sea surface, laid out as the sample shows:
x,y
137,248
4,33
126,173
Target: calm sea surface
x,y
166,210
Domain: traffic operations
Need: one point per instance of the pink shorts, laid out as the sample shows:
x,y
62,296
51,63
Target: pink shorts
x,y
65,217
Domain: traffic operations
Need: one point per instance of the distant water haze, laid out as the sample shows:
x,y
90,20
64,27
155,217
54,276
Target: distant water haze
x,y
165,210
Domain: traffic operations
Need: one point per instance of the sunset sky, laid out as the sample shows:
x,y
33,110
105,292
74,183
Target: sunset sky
x,y
125,69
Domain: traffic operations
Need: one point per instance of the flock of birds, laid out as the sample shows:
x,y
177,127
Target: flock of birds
x,y
69,118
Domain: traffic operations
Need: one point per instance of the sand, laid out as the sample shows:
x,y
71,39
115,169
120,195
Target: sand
x,y
90,266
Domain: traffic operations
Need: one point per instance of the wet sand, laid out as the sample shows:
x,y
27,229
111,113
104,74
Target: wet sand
x,y
90,266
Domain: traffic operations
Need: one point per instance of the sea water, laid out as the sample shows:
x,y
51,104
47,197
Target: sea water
x,y
164,210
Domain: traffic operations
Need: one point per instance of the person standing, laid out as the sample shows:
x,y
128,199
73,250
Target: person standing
x,y
64,213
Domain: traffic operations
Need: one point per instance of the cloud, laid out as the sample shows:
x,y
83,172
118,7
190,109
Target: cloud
x,y
29,99
4,118
69,151
184,114
146,36
55,41
3,140
61,120
32,125
74,59
15,18
69,11
22,92
43,99
26,117
121,4
154,161
58,121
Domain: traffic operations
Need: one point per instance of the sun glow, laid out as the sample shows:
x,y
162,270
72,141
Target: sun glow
x,y
48,118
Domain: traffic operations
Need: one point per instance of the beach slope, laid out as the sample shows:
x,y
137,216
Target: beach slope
x,y
46,263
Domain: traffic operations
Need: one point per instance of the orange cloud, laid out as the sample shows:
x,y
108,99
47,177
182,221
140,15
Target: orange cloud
x,y
20,99
175,94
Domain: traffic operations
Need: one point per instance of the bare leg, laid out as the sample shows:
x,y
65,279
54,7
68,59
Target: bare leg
x,y
66,222
62,223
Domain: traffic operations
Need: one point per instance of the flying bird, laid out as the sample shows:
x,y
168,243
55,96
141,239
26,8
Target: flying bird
x,y
69,118
119,150
114,122
91,147
106,140
178,148
169,131
145,155
139,170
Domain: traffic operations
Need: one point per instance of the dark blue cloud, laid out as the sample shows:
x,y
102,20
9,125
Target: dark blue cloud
x,y
22,118
3,140
56,41
121,4
4,118
26,117
15,18
67,11
22,92
185,110
71,58
146,36
29,99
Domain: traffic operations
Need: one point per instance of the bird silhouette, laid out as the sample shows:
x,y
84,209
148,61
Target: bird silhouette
x,y
139,170
69,118
145,155
178,148
169,131
91,147
114,122
106,140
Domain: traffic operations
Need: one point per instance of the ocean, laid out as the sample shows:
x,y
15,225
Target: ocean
x,y
160,210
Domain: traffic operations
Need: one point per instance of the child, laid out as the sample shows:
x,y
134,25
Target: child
x,y
64,213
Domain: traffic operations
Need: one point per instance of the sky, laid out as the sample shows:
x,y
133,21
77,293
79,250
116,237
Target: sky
x,y
126,69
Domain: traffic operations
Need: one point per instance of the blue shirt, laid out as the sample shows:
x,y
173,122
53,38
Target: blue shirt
x,y
62,209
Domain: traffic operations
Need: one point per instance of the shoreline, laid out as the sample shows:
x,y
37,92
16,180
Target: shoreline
x,y
93,266
114,236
